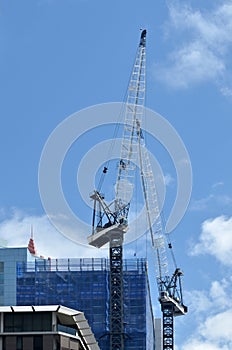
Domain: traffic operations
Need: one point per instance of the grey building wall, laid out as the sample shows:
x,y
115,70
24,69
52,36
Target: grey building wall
x,y
8,272
158,334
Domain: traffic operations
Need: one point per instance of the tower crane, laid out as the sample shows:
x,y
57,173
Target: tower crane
x,y
110,221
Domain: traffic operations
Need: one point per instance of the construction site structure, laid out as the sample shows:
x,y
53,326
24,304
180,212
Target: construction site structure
x,y
110,221
82,284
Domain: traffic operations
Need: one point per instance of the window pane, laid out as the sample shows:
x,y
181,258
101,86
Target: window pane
x,y
37,322
19,343
38,342
18,323
27,324
47,321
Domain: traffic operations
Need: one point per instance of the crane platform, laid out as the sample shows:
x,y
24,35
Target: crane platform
x,y
103,235
178,308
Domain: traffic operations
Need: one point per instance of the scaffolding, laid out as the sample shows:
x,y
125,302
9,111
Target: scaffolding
x,y
83,284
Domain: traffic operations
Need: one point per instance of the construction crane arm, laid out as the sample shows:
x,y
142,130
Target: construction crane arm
x,y
117,212
169,287
113,229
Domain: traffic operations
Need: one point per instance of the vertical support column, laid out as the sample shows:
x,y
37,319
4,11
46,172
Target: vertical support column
x,y
1,328
168,332
116,299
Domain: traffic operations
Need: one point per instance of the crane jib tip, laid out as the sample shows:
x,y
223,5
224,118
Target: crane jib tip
x,y
143,37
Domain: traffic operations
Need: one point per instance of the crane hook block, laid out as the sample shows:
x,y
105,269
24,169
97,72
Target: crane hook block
x,y
105,170
143,38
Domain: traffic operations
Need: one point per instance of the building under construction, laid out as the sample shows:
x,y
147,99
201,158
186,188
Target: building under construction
x,y
81,284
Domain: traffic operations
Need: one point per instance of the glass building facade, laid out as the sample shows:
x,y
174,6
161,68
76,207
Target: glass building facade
x,y
51,327
9,258
83,284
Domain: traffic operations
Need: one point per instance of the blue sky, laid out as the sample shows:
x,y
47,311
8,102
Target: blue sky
x,y
60,56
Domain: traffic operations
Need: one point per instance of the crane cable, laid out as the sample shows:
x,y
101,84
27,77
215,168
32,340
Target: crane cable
x,y
168,239
112,144
110,151
162,218
146,203
106,166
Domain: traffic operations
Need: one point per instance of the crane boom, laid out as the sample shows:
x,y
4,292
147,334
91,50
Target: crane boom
x,y
152,209
109,222
169,287
134,110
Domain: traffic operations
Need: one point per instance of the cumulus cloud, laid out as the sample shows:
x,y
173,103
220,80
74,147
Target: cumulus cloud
x,y
213,333
168,179
217,184
216,239
219,293
15,232
213,329
192,64
210,313
194,344
212,200
202,53
210,309
211,301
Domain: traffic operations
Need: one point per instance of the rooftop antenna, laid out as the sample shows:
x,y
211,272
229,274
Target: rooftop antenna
x,y
31,244
32,233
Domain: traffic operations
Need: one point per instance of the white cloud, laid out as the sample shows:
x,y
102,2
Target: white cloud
x,y
15,232
218,327
198,300
168,179
195,344
226,91
210,27
219,294
202,53
211,200
217,184
213,333
210,310
210,317
210,301
216,239
191,64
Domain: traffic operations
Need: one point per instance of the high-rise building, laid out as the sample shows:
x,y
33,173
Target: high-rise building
x,y
81,284
9,259
44,327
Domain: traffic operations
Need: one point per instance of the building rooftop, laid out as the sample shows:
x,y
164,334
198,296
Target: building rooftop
x,y
66,316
